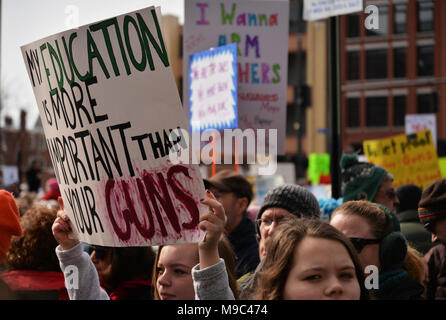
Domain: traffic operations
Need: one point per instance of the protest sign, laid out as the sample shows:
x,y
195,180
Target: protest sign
x,y
260,30
10,175
213,89
420,122
318,163
111,114
411,159
321,9
442,164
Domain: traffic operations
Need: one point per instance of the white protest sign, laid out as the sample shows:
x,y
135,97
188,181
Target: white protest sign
x,y
321,9
260,29
10,175
421,122
111,114
213,89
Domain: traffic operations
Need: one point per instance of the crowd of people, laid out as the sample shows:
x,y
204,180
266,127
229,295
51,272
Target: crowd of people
x,y
380,243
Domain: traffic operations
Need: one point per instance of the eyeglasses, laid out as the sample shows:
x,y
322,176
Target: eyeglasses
x,y
267,222
360,243
100,252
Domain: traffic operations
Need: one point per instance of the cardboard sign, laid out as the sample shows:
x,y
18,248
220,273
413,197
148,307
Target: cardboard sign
x,y
318,163
420,122
411,159
213,89
260,29
111,114
321,9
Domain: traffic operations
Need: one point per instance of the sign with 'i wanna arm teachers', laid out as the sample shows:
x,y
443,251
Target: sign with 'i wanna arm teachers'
x,y
260,30
111,114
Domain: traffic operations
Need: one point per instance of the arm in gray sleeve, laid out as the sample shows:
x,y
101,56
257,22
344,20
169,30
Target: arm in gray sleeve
x,y
81,277
212,283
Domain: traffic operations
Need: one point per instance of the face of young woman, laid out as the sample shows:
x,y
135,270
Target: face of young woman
x,y
174,272
322,270
357,227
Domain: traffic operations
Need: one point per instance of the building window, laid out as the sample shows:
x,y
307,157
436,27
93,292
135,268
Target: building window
x,y
399,62
383,28
376,64
353,25
353,65
399,110
400,18
425,15
425,61
427,102
376,112
353,112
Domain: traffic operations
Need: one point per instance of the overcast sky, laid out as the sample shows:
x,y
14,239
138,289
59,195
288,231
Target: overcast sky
x,y
25,21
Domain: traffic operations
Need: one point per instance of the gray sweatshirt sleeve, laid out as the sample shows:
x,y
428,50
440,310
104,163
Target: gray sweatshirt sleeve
x,y
212,283
81,277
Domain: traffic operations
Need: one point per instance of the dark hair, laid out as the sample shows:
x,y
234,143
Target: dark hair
x,y
34,249
225,252
409,195
128,263
280,254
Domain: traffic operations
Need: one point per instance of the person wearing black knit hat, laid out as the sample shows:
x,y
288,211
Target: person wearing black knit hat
x,y
366,181
278,203
432,214
407,213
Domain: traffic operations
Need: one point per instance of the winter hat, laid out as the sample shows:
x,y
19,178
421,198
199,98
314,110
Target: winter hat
x,y
9,222
360,180
409,196
296,199
53,191
432,205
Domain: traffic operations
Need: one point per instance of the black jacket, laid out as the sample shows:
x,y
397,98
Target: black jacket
x,y
244,243
399,289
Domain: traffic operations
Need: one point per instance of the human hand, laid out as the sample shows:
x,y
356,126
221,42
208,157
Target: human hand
x,y
213,223
62,229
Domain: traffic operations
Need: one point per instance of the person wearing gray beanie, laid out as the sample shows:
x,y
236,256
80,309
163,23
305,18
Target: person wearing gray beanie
x,y
295,199
279,203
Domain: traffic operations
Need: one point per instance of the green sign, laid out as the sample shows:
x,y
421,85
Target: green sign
x,y
442,164
318,163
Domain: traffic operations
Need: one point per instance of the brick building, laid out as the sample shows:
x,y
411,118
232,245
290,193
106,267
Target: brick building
x,y
395,70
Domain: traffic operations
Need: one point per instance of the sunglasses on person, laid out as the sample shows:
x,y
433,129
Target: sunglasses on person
x,y
100,252
360,243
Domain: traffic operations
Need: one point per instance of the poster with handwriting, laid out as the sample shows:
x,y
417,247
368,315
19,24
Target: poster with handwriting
x,y
260,30
111,114
213,89
411,159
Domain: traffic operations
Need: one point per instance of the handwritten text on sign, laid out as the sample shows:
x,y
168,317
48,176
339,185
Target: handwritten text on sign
x,y
111,115
411,159
260,30
213,89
